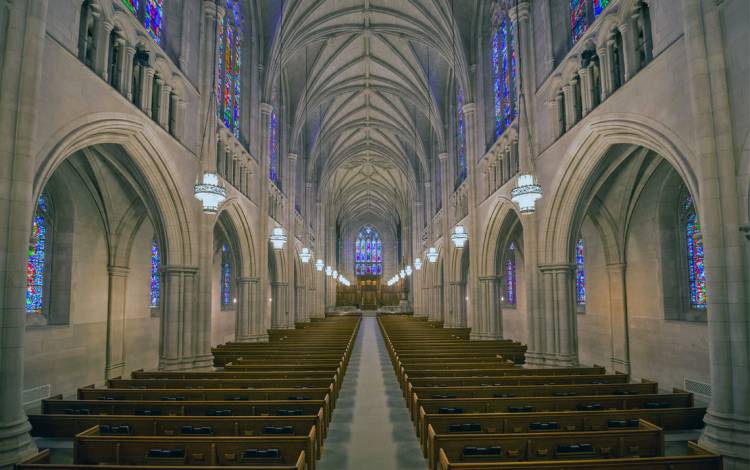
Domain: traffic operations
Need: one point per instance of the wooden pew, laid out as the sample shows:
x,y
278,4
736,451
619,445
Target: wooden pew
x,y
547,404
91,447
666,418
697,459
190,408
41,461
540,390
643,440
67,426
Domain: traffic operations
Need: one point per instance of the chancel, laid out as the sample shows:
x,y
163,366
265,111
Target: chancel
x,y
374,234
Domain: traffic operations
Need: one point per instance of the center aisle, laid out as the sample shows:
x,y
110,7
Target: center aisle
x,y
371,428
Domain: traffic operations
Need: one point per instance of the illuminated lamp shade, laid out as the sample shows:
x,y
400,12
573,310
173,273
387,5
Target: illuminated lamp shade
x,y
305,255
402,274
417,264
209,193
432,254
319,265
335,274
459,236
526,193
278,239
408,270
329,271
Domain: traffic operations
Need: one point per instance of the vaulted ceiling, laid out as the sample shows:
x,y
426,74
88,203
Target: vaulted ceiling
x,y
363,84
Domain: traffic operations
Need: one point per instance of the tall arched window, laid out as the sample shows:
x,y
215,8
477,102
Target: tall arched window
x,y
503,72
228,69
580,274
87,34
460,138
273,149
155,283
510,275
368,253
694,245
38,260
150,13
226,275
582,14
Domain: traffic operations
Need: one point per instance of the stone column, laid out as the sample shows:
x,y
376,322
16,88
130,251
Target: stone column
x,y
727,421
280,319
164,103
246,328
102,49
457,309
628,52
22,72
587,90
117,294
618,308
558,114
569,93
172,125
445,191
126,80
605,72
560,334
263,230
473,151
489,302
178,323
291,223
147,82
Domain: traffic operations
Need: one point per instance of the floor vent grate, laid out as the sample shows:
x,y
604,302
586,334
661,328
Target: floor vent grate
x,y
700,389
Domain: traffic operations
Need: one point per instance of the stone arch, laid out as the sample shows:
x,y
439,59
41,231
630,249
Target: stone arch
x,y
501,221
588,160
164,202
233,213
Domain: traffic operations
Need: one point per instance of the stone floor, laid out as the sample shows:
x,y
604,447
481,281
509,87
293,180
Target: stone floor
x,y
371,428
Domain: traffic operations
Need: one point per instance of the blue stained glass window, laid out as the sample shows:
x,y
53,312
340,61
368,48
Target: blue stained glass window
x,y
151,15
36,265
368,252
504,73
226,275
228,66
696,268
510,275
155,284
578,24
460,137
599,6
580,274
273,143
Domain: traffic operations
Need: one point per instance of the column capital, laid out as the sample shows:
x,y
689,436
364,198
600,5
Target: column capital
x,y
292,157
248,280
469,108
211,9
490,278
266,108
178,268
119,271
443,156
556,268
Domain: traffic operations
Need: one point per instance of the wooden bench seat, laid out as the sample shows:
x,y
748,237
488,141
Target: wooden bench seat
x,y
190,408
698,459
578,421
526,390
548,404
41,461
55,425
92,447
643,440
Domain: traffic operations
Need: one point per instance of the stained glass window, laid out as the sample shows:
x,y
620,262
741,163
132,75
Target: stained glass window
x,y
580,274
155,285
599,6
504,73
510,275
696,273
368,253
228,69
577,19
226,276
36,265
150,13
273,144
460,137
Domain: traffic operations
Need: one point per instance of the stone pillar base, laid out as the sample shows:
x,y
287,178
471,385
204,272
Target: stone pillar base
x,y
484,336
204,360
115,370
15,443
728,435
176,364
539,359
254,339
